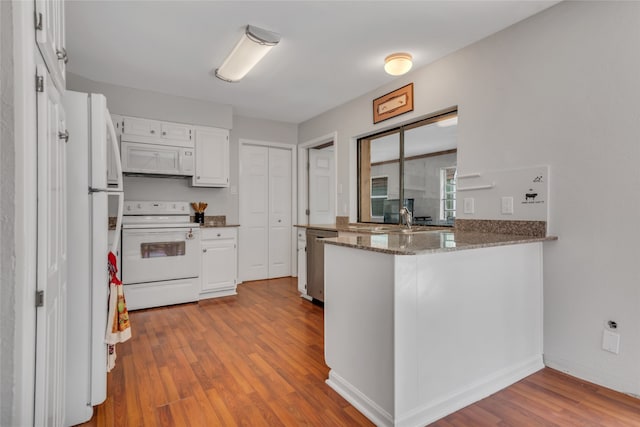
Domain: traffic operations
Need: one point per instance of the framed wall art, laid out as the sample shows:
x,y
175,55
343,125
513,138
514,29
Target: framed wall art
x,y
393,104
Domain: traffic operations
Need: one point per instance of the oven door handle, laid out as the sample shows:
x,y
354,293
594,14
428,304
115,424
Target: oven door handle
x,y
177,233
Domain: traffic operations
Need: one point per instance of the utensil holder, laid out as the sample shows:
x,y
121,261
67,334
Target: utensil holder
x,y
200,217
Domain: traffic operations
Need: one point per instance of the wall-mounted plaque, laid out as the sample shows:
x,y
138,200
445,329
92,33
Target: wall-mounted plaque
x,y
394,103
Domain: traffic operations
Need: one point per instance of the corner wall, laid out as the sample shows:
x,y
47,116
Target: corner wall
x,y
559,89
7,217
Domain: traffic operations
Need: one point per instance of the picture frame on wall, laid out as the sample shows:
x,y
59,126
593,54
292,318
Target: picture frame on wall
x,y
393,104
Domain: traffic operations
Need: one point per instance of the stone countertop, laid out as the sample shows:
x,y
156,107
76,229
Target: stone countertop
x,y
208,223
431,241
372,228
217,225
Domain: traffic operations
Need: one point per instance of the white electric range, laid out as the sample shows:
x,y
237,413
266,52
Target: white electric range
x,y
160,254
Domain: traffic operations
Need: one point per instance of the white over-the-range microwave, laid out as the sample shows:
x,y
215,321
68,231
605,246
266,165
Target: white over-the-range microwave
x,y
157,159
154,147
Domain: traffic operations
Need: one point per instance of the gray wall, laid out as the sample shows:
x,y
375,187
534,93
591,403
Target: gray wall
x,y
140,103
559,89
7,217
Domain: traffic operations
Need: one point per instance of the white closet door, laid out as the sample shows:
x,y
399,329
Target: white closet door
x,y
280,227
254,214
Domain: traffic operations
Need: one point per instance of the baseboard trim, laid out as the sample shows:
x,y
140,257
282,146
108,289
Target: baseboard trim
x,y
628,385
471,393
442,407
362,403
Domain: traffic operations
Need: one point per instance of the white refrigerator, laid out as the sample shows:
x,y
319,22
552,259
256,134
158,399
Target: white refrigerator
x,y
91,137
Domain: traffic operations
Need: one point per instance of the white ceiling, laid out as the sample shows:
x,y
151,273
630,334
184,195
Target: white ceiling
x,y
330,52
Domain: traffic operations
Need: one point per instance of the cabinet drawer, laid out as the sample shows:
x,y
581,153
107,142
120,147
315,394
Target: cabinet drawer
x,y
218,233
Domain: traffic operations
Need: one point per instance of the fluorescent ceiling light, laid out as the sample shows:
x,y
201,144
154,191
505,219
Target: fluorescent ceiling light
x,y
447,122
252,47
398,64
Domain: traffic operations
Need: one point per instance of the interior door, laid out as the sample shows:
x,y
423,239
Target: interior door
x,y
321,186
280,227
52,256
254,212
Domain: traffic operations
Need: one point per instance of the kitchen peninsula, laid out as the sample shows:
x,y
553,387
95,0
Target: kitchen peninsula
x,y
419,325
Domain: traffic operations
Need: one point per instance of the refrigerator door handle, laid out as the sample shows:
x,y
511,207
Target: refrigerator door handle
x,y
116,238
116,151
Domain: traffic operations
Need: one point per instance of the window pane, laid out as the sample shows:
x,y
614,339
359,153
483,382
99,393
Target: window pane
x,y
379,186
162,249
385,165
427,150
377,206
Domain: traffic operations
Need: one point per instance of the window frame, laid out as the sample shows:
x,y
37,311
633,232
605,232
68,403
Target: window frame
x,y
364,169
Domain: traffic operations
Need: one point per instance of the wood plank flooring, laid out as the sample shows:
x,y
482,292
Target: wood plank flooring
x,y
257,359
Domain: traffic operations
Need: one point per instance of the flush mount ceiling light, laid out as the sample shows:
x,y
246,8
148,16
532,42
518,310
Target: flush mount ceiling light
x,y
398,64
252,47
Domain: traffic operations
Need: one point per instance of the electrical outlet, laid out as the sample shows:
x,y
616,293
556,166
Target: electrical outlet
x,y
611,342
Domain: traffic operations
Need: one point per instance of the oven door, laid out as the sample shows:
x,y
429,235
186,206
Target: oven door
x,y
157,254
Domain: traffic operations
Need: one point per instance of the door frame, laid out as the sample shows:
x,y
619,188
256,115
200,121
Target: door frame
x,y
303,175
25,232
294,192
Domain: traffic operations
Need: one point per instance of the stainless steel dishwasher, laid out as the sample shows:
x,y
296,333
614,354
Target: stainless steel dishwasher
x,y
315,262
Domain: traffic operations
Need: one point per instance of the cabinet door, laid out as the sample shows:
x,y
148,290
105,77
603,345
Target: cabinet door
x,y
141,127
212,158
50,37
176,132
219,268
112,173
147,158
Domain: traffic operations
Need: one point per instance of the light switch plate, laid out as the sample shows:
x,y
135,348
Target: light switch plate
x,y
469,205
507,205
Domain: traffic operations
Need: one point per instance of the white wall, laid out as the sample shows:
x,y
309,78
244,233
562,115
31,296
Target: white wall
x,y
141,103
7,217
560,88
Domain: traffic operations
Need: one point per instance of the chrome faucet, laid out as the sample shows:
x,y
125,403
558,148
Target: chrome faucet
x,y
406,216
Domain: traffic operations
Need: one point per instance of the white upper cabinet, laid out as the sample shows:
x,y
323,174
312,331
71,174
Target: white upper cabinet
x,y
156,132
176,132
49,23
134,126
212,157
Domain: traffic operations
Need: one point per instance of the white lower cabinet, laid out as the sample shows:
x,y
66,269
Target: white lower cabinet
x,y
219,271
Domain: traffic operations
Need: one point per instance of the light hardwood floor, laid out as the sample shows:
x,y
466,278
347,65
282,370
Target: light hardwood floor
x,y
256,359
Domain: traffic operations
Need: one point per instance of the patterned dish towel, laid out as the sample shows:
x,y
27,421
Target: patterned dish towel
x,y
118,326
